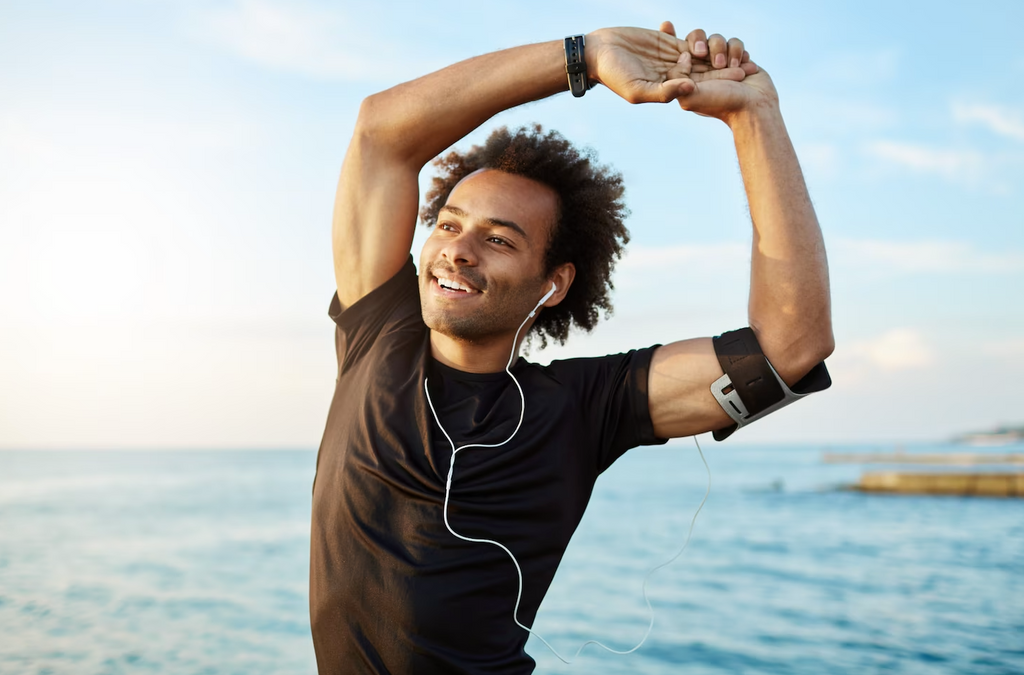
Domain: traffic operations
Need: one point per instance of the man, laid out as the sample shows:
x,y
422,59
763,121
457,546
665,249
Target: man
x,y
405,576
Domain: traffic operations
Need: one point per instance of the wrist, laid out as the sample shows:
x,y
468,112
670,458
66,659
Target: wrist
x,y
595,41
754,114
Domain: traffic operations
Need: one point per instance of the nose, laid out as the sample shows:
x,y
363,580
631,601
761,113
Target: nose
x,y
460,250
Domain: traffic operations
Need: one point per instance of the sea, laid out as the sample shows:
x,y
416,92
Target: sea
x,y
196,562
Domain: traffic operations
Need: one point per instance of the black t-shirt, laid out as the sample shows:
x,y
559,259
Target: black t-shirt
x,y
391,589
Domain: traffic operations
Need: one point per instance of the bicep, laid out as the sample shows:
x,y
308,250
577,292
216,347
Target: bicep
x,y
679,389
374,218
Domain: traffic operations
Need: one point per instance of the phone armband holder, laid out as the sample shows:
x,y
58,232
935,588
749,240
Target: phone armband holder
x,y
750,388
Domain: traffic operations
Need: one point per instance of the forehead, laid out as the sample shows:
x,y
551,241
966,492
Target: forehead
x,y
493,194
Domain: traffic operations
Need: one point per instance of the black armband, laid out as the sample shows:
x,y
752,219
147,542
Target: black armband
x,y
750,388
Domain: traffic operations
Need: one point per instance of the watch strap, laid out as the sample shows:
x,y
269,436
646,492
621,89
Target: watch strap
x,y
576,65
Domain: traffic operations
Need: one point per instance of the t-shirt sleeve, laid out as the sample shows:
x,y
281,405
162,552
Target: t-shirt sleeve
x,y
612,391
394,305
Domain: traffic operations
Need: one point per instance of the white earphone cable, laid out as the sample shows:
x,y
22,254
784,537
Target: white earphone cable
x,y
519,571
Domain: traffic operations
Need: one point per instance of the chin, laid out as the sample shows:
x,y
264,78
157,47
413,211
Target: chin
x,y
495,318
464,330
473,328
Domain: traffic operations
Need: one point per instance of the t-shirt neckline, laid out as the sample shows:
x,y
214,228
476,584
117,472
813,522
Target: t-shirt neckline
x,y
456,374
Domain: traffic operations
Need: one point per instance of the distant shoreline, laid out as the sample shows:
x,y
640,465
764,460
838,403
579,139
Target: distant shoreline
x,y
997,438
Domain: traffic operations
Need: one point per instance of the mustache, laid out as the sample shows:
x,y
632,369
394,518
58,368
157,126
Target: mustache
x,y
470,275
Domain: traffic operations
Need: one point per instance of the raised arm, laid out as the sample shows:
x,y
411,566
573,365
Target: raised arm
x,y
789,307
399,130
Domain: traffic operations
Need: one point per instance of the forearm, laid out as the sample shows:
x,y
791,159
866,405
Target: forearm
x,y
399,130
789,306
417,120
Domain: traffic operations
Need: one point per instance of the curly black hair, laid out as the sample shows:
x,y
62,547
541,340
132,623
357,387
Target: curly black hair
x,y
589,231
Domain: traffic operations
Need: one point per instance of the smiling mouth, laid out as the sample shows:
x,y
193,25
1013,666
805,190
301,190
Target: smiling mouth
x,y
451,285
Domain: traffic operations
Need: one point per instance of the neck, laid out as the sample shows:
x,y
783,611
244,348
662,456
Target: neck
x,y
487,356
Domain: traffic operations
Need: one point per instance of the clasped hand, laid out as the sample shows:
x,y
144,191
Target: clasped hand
x,y
710,76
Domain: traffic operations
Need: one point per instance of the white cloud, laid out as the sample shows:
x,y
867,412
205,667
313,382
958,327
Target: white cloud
x,y
835,116
651,267
934,256
896,350
999,120
956,165
658,260
689,277
293,37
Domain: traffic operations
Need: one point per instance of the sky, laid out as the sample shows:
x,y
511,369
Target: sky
x,y
167,175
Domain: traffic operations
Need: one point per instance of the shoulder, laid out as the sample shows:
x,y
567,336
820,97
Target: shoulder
x,y
595,365
585,374
399,294
392,310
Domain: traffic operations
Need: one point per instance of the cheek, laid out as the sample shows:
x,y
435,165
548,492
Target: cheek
x,y
512,284
429,252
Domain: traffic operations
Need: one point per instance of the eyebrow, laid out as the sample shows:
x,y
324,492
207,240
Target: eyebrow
x,y
493,221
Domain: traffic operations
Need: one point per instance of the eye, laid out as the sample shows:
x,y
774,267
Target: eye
x,y
446,226
501,241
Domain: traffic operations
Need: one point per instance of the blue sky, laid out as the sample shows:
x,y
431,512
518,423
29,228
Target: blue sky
x,y
169,168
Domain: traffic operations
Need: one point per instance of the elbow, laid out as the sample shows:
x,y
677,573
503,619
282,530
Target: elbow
x,y
370,138
370,119
380,123
793,357
810,352
380,131
824,347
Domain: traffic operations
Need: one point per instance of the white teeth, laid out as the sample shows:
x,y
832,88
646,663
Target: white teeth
x,y
452,285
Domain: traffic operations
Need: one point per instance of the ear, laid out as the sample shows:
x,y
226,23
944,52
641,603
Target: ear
x,y
562,277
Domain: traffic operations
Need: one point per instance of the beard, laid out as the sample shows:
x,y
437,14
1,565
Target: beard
x,y
506,304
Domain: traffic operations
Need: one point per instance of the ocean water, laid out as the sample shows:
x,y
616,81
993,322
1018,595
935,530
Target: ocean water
x,y
197,562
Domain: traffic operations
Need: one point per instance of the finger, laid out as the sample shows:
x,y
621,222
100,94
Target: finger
x,y
664,92
732,74
667,27
682,68
735,49
746,56
697,41
688,101
750,67
717,48
681,87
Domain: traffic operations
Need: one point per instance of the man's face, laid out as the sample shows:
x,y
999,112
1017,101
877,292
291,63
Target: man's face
x,y
482,269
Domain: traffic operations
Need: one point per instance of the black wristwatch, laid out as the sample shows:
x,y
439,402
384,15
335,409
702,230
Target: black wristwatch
x,y
576,65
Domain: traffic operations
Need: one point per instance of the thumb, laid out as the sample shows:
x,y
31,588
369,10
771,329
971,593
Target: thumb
x,y
711,98
662,92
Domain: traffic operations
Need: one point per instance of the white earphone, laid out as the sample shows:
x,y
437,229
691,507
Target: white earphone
x,y
544,299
